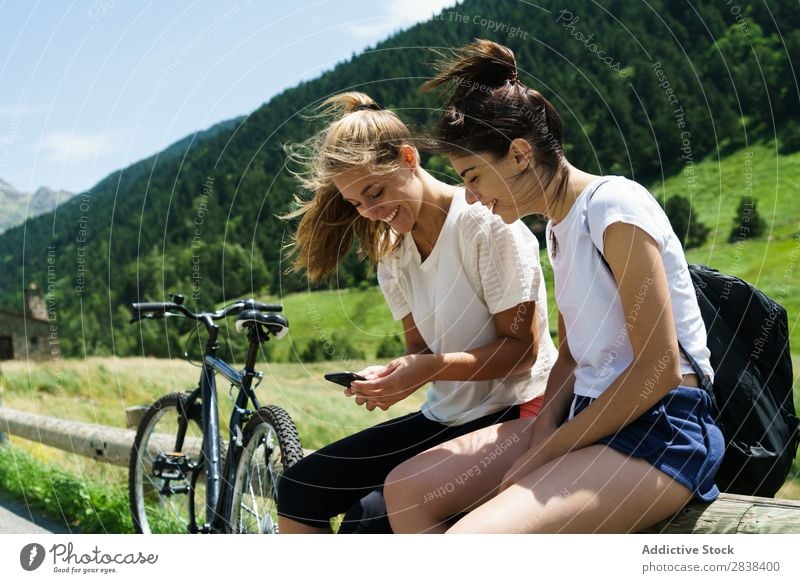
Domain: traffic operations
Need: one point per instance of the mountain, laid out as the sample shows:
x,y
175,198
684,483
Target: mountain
x,y
645,89
16,206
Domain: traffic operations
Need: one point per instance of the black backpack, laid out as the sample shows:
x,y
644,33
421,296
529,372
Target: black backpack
x,y
748,336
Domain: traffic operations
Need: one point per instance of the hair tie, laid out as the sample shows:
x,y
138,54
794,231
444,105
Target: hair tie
x,y
513,77
372,106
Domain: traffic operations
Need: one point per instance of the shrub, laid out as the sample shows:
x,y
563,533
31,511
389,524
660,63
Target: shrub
x,y
681,215
391,347
789,137
336,347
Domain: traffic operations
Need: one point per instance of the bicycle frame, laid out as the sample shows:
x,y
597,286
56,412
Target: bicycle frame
x,y
217,498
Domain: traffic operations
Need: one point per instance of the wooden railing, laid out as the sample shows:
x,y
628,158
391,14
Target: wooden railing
x,y
728,514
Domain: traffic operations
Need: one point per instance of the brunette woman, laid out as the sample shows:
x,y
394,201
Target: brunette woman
x,y
626,435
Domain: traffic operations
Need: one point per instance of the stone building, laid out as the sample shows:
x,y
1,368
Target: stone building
x,y
27,335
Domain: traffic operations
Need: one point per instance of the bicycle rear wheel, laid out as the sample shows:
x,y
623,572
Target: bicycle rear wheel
x,y
271,445
162,466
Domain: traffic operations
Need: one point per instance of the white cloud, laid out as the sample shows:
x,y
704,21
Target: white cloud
x,y
72,148
400,14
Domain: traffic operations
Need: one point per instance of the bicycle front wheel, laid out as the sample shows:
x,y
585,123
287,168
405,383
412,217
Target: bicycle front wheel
x,y
271,445
165,455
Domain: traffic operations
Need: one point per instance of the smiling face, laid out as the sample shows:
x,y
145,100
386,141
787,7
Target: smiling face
x,y
395,198
489,180
503,184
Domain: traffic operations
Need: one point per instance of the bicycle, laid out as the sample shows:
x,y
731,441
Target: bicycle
x,y
178,439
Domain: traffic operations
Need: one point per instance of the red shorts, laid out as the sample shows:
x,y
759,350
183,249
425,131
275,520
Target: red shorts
x,y
531,408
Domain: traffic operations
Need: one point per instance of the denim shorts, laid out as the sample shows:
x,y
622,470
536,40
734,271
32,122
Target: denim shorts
x,y
677,435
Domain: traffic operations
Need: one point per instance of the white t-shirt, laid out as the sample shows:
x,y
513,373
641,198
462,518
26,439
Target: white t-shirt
x,y
479,266
587,294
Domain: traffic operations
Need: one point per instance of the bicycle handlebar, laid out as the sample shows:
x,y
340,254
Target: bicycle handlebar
x,y
160,309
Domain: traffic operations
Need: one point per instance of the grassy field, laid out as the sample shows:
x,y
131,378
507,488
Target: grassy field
x,y
92,496
772,263
98,390
362,315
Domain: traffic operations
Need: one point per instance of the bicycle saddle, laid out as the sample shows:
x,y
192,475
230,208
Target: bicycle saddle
x,y
277,325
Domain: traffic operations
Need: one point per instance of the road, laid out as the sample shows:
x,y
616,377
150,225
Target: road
x,y
16,518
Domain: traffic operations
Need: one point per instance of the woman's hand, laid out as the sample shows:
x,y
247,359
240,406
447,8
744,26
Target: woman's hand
x,y
396,381
370,373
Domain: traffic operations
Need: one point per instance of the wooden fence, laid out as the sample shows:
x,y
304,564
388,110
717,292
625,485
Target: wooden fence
x,y
728,514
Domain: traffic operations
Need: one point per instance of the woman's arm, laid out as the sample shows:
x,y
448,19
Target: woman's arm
x,y
514,352
415,343
559,391
637,267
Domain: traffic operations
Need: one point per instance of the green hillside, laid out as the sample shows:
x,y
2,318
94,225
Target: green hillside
x,y
361,315
772,262
689,80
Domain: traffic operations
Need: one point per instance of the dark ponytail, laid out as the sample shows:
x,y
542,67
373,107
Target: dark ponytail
x,y
488,107
481,66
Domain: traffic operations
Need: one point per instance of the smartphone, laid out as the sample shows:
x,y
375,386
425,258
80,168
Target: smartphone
x,y
343,378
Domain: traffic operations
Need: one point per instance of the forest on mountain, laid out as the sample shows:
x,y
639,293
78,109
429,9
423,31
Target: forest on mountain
x,y
645,89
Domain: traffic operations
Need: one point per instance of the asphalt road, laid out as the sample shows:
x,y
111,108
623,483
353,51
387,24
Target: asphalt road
x,y
16,518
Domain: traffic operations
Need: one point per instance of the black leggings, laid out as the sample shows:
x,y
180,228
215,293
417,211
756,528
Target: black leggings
x,y
334,479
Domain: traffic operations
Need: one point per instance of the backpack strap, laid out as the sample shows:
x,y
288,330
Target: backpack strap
x,y
705,380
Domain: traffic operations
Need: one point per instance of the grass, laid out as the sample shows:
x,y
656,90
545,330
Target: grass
x,y
361,314
715,187
84,504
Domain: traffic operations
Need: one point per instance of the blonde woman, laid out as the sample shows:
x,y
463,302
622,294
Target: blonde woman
x,y
467,287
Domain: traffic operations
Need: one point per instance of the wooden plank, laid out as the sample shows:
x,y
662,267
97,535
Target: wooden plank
x,y
133,415
105,444
733,514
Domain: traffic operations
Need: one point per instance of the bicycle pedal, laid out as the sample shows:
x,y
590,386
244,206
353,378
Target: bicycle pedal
x,y
174,465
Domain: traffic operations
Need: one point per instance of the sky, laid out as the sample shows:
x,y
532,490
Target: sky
x,y
89,87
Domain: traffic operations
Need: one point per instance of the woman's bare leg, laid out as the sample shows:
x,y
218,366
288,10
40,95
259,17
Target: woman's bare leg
x,y
595,489
423,492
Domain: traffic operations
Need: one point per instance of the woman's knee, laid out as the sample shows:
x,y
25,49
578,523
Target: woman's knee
x,y
399,486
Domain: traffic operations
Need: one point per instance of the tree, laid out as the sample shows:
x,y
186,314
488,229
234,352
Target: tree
x,y
747,223
681,215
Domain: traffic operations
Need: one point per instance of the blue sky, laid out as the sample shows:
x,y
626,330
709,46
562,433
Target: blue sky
x,y
87,87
